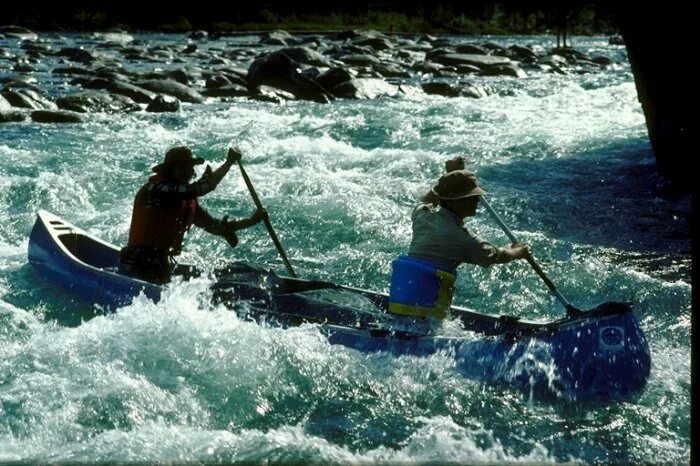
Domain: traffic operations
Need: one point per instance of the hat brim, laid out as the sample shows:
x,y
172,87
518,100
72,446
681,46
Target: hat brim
x,y
161,167
474,192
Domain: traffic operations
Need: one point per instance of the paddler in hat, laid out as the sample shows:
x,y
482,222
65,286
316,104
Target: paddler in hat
x,y
167,206
422,282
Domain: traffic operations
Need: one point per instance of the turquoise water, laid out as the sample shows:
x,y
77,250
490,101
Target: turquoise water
x,y
568,164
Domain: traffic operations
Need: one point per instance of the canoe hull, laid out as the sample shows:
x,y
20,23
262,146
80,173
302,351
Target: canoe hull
x,y
601,355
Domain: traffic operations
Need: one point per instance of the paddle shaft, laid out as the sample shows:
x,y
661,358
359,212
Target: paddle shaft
x,y
268,225
530,260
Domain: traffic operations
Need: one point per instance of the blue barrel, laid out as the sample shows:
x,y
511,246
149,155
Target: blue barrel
x,y
420,289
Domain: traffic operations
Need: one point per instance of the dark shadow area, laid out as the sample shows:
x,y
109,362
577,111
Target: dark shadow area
x,y
612,202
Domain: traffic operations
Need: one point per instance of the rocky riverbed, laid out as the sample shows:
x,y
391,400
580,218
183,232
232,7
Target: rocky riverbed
x,y
63,78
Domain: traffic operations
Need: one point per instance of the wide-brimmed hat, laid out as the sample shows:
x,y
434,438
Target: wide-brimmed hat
x,y
458,184
178,157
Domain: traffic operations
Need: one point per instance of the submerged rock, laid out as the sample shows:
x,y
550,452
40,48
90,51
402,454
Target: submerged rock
x,y
56,116
76,54
162,103
11,116
454,90
270,94
198,35
96,102
281,72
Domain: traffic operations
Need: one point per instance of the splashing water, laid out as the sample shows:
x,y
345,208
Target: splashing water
x,y
569,165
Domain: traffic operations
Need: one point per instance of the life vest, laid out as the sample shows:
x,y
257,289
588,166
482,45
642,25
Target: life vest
x,y
160,223
420,289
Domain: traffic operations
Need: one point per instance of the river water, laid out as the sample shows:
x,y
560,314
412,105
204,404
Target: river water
x,y
567,163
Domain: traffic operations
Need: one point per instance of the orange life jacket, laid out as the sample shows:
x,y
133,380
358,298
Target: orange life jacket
x,y
160,223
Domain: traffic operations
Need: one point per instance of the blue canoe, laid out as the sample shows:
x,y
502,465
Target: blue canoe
x,y
600,355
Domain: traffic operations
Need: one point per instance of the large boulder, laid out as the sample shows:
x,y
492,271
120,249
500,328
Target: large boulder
x,y
163,103
333,77
56,116
281,72
172,88
85,102
28,98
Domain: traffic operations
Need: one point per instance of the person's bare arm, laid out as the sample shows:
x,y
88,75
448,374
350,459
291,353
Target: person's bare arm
x,y
258,216
206,183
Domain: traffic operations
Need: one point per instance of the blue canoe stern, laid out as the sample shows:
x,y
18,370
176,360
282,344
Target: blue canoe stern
x,y
53,248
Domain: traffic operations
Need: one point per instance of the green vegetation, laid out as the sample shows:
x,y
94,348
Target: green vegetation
x,y
496,19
